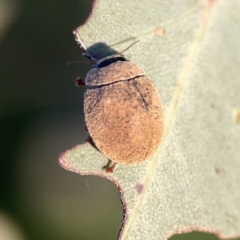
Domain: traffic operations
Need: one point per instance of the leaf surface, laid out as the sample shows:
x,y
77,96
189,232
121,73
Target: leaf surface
x,y
191,50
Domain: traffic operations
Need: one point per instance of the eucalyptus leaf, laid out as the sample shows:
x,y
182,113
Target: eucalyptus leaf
x,y
191,51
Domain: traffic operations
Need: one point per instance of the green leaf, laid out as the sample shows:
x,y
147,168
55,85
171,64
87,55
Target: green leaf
x,y
191,50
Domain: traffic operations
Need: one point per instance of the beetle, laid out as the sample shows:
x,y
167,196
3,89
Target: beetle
x,y
123,110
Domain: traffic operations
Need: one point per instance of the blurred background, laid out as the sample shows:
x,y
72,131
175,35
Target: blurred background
x,y
41,115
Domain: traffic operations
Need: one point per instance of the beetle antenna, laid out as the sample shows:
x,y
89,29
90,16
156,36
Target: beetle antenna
x,y
129,47
94,60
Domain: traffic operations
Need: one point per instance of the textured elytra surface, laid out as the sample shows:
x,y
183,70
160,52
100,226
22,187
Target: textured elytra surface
x,y
125,119
192,181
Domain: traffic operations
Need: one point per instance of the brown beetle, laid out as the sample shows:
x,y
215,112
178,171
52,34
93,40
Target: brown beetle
x,y
123,111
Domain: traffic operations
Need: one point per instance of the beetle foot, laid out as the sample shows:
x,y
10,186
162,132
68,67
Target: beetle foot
x,y
109,167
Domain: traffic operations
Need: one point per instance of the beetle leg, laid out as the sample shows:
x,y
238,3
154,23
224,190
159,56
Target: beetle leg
x,y
109,167
79,82
89,139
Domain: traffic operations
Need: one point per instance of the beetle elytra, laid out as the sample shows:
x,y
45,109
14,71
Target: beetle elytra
x,y
123,110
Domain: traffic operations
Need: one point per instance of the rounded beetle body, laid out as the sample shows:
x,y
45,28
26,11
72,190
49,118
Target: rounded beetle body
x,y
123,111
